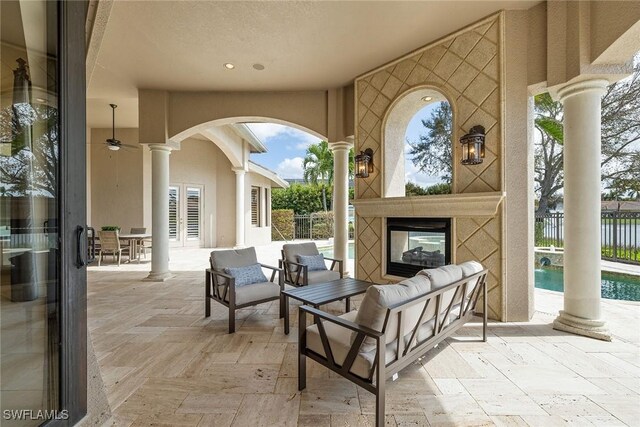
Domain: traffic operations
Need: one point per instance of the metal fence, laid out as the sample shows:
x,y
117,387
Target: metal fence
x,y
619,232
315,227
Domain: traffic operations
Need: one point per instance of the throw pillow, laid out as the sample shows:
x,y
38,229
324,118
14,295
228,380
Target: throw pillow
x,y
247,275
313,262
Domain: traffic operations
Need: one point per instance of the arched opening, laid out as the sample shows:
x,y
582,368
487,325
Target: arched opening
x,y
418,144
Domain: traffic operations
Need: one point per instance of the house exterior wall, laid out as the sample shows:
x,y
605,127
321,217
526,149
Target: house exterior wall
x,y
120,187
257,235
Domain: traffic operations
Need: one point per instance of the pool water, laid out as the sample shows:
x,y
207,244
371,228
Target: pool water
x,y
328,251
614,286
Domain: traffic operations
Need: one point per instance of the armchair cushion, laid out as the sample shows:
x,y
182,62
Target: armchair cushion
x,y
256,292
292,250
313,262
247,275
232,258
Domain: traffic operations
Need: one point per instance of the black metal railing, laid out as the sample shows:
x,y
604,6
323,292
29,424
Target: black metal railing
x,y
619,232
316,227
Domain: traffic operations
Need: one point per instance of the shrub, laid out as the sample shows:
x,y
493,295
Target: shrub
x,y
282,224
303,199
322,225
110,228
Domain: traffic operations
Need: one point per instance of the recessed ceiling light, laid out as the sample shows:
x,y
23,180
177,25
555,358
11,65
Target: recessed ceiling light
x,y
427,98
258,67
229,66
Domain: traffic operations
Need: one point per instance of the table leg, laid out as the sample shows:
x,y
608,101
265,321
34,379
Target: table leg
x,y
286,315
348,305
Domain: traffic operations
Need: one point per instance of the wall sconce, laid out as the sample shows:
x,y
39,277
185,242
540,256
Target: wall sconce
x,y
473,146
364,163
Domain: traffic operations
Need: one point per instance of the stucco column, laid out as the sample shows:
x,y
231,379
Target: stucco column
x,y
240,214
582,193
341,200
159,213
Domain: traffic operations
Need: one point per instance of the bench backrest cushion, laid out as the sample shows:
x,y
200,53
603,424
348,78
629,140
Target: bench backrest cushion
x,y
292,250
470,268
443,276
232,258
379,298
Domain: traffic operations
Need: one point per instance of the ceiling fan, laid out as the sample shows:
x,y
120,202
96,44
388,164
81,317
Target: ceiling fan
x,y
114,144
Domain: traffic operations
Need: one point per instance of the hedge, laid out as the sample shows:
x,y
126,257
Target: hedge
x,y
282,224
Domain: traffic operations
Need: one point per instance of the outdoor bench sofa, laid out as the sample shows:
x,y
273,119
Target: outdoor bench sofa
x,y
393,327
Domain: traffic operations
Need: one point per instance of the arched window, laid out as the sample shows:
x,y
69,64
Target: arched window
x,y
428,149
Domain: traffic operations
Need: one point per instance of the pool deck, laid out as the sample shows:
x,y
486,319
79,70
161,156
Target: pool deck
x,y
163,363
619,267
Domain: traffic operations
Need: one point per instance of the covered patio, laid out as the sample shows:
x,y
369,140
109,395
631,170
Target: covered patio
x,y
163,363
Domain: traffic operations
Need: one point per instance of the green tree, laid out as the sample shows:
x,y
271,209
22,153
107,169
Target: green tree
x,y
411,189
432,154
318,167
620,142
303,199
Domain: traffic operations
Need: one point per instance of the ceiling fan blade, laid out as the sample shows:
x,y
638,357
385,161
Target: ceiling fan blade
x,y
130,147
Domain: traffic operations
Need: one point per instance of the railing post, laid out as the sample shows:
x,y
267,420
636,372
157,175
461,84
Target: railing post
x,y
615,236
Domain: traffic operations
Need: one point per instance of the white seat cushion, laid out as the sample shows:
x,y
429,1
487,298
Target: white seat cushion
x,y
255,292
340,344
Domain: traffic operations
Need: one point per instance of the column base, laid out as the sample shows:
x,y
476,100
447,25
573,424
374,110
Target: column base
x,y
159,277
579,326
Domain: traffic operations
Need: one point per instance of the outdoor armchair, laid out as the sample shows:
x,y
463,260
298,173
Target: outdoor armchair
x,y
226,282
298,274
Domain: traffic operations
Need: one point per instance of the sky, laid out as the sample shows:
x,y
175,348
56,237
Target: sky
x,y
286,147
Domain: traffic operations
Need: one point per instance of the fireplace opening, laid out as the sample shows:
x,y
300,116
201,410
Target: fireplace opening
x,y
414,244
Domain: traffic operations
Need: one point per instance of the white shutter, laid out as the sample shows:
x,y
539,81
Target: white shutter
x,y
174,197
255,206
193,213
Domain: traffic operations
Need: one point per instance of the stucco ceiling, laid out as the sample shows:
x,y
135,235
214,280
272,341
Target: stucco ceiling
x,y
182,45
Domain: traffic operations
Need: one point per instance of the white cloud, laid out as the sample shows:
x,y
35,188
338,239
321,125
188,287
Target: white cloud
x,y
413,174
290,168
265,131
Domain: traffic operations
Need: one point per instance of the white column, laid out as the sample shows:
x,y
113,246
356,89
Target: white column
x,y
240,213
159,213
341,200
582,195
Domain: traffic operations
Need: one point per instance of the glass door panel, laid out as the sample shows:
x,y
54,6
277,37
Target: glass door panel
x,y
29,206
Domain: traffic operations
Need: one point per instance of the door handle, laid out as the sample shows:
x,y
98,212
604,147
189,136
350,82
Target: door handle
x,y
80,262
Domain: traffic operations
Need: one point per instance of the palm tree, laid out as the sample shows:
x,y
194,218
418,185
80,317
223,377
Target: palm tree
x,y
318,166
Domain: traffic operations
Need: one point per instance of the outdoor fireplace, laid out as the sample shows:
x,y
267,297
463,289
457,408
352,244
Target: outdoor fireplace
x,y
414,244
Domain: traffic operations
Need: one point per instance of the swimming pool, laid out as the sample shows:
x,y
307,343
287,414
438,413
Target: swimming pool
x,y
614,286
328,251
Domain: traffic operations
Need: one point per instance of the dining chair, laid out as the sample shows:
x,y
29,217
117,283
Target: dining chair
x,y
110,245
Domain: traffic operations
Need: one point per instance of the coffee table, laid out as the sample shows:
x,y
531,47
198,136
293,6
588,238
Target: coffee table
x,y
324,293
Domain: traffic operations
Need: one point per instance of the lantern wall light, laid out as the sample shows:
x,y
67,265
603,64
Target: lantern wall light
x,y
473,146
364,163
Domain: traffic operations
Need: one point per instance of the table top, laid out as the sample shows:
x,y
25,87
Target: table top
x,y
134,236
324,293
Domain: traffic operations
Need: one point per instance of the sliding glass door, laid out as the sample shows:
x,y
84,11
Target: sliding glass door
x,y
42,204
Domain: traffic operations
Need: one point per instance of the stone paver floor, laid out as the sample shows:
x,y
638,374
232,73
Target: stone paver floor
x,y
164,363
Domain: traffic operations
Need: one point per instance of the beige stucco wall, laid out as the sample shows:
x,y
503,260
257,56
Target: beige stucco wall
x,y
467,67
196,164
117,190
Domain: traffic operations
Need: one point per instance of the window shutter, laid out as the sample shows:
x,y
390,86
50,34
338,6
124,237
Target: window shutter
x,y
173,213
193,213
255,206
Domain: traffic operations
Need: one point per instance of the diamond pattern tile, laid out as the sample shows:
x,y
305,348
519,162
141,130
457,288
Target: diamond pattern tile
x,y
467,67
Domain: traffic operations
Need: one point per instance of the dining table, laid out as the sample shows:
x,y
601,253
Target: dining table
x,y
134,240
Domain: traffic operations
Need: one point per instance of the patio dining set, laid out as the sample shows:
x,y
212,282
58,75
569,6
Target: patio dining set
x,y
134,244
394,325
